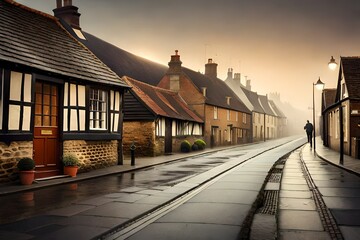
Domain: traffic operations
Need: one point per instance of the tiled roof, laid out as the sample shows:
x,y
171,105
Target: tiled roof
x,y
329,96
236,86
162,102
265,105
123,62
278,112
216,91
254,99
38,40
351,70
128,64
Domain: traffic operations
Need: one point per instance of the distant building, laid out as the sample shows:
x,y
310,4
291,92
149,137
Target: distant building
x,y
226,118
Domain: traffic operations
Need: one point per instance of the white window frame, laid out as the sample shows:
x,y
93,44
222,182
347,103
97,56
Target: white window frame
x,y
98,109
244,118
216,112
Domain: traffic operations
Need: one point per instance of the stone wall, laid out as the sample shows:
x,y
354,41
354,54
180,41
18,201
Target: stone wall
x,y
159,148
93,154
9,157
142,133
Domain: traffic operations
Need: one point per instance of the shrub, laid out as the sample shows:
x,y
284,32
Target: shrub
x,y
26,164
70,159
200,143
194,147
185,146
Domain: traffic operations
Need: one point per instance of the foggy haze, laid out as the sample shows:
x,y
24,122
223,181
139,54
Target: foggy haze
x,y
282,46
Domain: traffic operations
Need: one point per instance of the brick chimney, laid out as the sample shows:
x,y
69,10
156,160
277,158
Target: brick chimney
x,y
229,74
248,84
66,11
174,71
175,63
211,68
237,78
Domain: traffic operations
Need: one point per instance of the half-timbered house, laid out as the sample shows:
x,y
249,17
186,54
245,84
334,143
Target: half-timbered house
x,y
226,118
157,120
55,96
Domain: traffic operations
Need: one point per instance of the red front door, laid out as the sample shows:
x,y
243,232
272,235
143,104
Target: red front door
x,y
46,131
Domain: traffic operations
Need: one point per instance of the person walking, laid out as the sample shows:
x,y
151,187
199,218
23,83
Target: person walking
x,y
309,130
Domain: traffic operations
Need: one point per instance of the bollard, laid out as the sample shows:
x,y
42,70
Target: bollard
x,y
132,151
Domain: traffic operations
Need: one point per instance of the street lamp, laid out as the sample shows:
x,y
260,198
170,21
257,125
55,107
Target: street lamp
x,y
332,65
320,86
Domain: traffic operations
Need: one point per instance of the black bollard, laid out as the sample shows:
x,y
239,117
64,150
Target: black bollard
x,y
132,151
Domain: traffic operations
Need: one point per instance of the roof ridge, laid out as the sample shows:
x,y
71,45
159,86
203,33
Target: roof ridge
x,y
152,86
30,9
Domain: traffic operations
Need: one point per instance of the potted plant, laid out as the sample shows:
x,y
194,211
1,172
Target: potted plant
x,y
71,163
26,168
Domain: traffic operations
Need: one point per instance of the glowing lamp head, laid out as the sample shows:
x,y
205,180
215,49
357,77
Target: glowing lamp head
x,y
332,64
319,84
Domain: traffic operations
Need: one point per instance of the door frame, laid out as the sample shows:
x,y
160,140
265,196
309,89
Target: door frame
x,y
60,91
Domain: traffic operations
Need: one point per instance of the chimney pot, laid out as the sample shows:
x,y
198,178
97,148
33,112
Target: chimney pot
x,y
67,3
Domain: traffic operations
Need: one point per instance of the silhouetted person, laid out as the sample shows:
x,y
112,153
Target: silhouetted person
x,y
309,130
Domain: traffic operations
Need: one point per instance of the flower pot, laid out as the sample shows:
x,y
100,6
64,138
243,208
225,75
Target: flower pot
x,y
70,170
27,177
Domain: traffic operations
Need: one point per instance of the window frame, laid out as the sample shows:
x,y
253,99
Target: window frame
x,y
104,111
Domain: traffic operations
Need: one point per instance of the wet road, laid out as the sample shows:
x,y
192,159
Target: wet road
x,y
21,205
26,204
93,207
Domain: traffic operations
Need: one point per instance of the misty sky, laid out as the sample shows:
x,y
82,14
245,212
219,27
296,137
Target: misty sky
x,y
281,45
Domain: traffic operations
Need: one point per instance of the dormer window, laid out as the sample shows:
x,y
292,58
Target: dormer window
x,y
204,91
228,100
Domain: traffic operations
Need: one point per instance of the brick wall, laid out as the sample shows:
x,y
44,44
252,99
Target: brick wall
x,y
93,154
222,123
9,157
142,133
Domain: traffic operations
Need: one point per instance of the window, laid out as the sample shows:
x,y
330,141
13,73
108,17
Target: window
x,y
20,101
228,116
98,109
1,94
244,118
228,100
237,116
345,127
336,124
215,113
160,127
46,105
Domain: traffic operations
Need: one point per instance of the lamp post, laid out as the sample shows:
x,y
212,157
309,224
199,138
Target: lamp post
x,y
320,86
332,65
